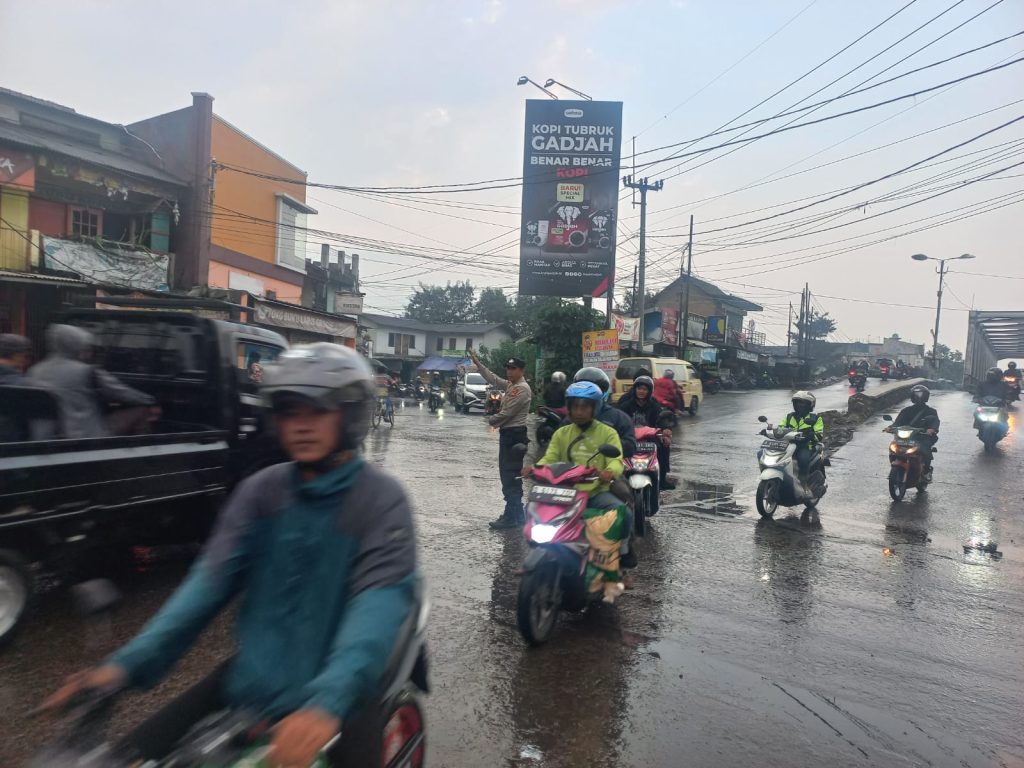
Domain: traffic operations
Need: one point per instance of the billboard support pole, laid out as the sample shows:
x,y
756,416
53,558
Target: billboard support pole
x,y
686,305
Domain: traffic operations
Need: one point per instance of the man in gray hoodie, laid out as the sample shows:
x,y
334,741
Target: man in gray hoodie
x,y
82,388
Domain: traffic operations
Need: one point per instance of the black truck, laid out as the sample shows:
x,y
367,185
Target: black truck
x,y
63,501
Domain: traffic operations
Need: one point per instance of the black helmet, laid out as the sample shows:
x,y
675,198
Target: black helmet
x,y
644,381
1012,366
993,375
595,375
920,394
331,377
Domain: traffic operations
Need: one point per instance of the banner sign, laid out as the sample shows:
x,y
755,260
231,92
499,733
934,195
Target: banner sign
x,y
570,197
661,326
627,327
601,349
715,329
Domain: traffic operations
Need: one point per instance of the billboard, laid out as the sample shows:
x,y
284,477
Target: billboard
x,y
628,328
570,197
601,349
715,329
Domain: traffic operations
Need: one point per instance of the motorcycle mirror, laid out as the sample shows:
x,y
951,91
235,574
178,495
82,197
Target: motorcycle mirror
x,y
610,451
886,417
763,419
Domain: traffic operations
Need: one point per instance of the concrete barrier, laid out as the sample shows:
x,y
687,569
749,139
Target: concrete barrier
x,y
864,404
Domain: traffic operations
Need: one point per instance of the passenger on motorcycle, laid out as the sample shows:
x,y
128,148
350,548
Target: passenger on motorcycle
x,y
640,405
803,419
667,393
922,416
554,392
321,551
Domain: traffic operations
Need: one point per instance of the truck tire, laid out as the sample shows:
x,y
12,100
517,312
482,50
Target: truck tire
x,y
16,589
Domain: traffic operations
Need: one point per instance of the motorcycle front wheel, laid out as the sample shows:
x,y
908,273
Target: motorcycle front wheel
x,y
767,497
538,603
641,507
897,484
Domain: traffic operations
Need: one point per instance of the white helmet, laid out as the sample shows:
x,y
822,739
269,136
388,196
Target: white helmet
x,y
558,377
804,396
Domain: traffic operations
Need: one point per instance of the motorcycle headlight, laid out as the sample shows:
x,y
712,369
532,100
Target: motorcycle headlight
x,y
911,450
893,447
988,417
774,460
641,465
542,533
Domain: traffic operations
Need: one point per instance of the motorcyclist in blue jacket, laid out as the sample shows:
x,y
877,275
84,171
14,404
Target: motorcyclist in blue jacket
x,y
321,551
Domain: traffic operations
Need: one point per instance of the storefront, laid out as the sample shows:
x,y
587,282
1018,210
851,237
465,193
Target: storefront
x,y
301,325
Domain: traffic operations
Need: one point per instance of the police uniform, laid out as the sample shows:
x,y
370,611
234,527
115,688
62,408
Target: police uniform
x,y
511,424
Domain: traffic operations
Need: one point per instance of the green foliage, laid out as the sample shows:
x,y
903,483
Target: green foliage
x,y
951,364
493,306
434,304
559,331
496,358
817,326
629,306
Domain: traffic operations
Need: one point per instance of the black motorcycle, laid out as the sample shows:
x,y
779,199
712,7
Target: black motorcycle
x,y
435,401
548,421
420,391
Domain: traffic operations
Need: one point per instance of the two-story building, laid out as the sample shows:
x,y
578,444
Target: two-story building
x,y
406,345
83,204
716,326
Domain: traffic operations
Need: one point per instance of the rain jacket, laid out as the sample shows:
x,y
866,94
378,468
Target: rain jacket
x,y
643,414
666,392
577,446
79,387
920,415
812,424
326,574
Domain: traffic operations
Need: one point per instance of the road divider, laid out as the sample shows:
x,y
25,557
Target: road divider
x,y
839,425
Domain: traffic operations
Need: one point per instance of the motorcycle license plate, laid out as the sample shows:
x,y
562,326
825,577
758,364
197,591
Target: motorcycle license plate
x,y
646,447
547,494
774,445
904,441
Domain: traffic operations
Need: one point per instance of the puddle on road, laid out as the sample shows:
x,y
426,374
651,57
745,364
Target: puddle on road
x,y
706,498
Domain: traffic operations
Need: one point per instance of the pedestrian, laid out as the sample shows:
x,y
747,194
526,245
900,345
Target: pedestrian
x,y
14,356
79,386
511,424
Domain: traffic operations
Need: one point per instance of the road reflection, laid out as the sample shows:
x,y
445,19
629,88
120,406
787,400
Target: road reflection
x,y
788,560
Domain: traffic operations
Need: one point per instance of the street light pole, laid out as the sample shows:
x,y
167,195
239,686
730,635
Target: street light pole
x,y
938,303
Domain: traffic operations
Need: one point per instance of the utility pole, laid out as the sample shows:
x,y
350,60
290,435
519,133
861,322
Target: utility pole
x,y
789,329
684,319
644,187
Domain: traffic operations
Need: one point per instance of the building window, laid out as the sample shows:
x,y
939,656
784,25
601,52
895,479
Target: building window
x,y
451,343
440,344
291,232
391,340
85,222
412,341
469,343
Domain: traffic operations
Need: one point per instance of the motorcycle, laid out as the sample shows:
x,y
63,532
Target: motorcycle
x,y
548,421
780,483
906,460
884,370
710,384
643,476
389,732
858,380
992,421
1013,388
420,391
492,402
555,569
436,399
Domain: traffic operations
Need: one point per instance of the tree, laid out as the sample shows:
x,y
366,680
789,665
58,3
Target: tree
x,y
951,363
629,306
819,325
496,358
493,306
559,331
434,304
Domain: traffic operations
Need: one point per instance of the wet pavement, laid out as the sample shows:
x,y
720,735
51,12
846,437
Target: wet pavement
x,y
871,638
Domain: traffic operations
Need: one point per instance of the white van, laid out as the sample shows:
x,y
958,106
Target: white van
x,y
687,378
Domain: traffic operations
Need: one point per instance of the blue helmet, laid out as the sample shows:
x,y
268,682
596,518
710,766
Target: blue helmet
x,y
584,390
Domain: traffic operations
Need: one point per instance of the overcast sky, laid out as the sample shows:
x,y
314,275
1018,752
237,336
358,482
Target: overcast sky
x,y
415,93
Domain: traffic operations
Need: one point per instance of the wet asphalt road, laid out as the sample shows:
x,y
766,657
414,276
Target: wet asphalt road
x,y
870,639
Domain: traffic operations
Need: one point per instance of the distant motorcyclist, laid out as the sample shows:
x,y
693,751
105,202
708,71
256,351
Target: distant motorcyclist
x,y
321,552
554,392
803,419
666,391
641,407
992,386
1013,370
862,367
1013,386
921,416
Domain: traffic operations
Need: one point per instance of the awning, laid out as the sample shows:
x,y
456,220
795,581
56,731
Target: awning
x,y
108,263
443,363
283,315
13,276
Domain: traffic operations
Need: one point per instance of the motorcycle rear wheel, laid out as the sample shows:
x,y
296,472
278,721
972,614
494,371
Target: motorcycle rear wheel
x,y
767,498
897,484
538,604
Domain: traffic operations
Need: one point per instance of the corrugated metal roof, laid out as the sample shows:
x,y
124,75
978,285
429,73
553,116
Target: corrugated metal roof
x,y
35,277
33,139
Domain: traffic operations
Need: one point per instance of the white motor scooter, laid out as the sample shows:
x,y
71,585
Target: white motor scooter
x,y
781,484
